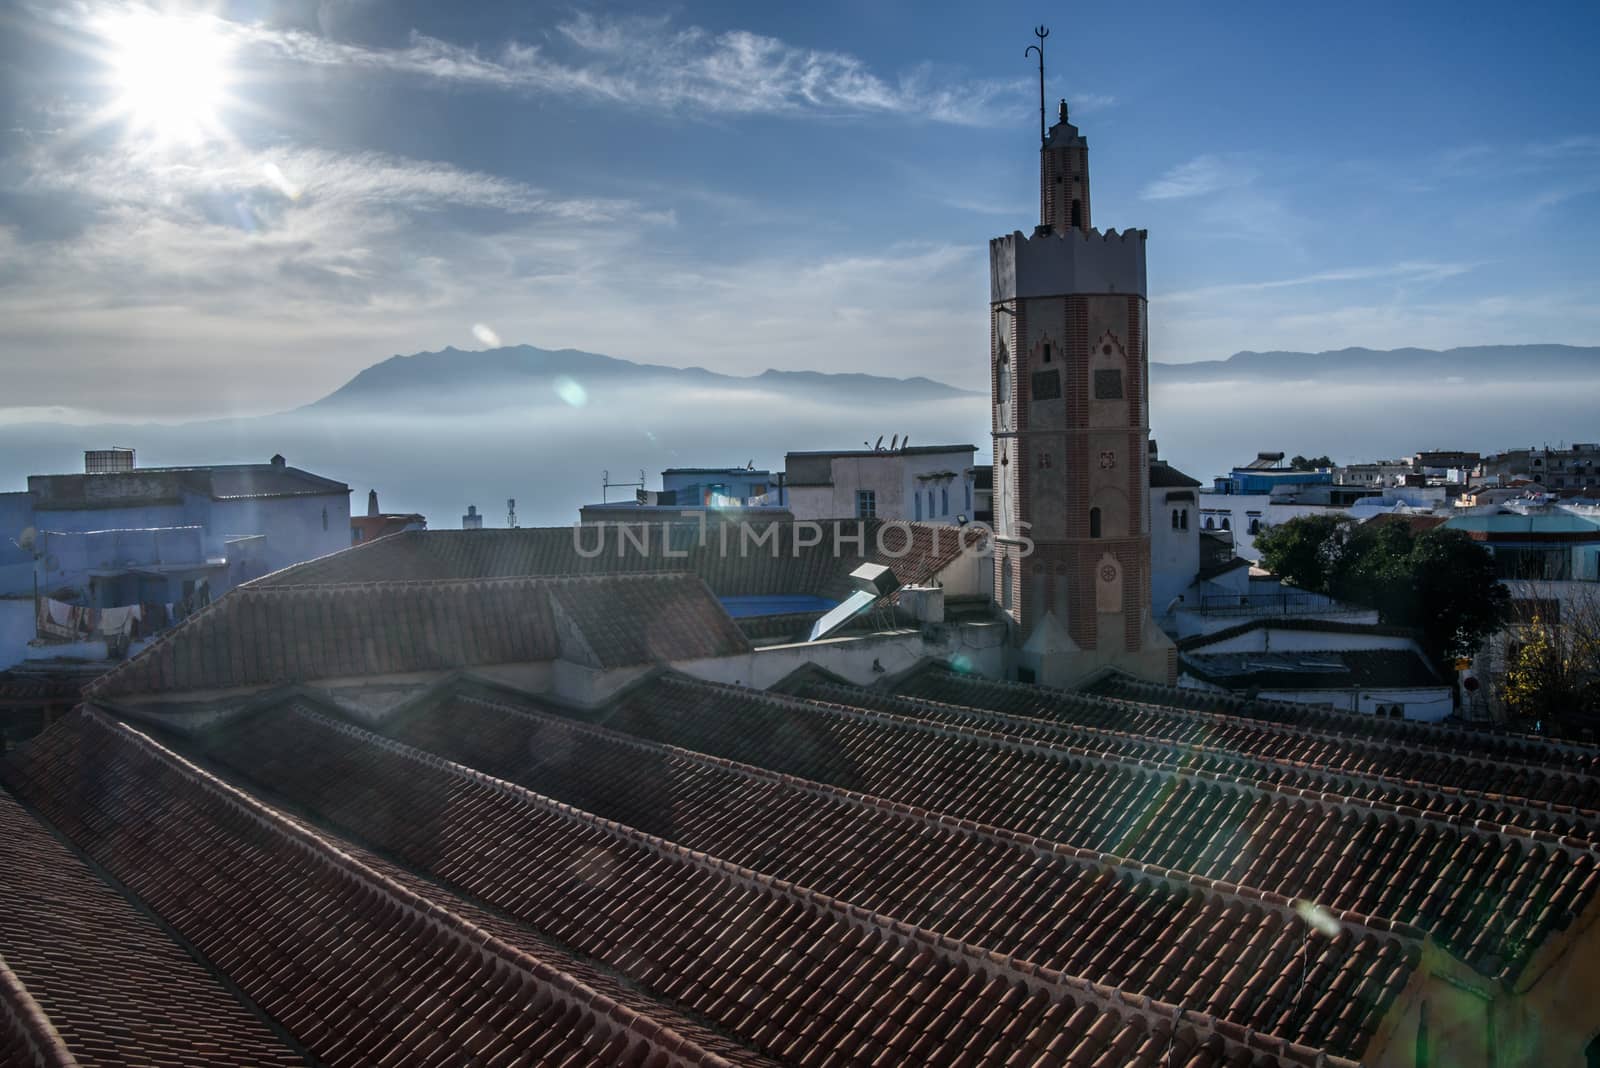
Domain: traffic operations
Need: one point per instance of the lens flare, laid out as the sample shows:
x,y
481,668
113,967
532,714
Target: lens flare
x,y
571,392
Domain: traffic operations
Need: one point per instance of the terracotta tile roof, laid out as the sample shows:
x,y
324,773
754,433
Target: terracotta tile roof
x,y
646,619
27,1037
354,967
793,973
1492,744
733,564
1266,753
94,981
274,635
1356,857
1003,892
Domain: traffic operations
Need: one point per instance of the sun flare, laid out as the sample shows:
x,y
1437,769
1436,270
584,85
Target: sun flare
x,y
170,74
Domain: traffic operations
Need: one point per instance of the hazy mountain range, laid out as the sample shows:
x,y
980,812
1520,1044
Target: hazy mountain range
x,y
518,375
1476,363
437,431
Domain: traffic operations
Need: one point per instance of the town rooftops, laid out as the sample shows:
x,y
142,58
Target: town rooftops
x,y
904,450
1544,526
169,485
691,872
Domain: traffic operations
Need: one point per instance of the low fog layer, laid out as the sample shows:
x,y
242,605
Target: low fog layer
x,y
549,451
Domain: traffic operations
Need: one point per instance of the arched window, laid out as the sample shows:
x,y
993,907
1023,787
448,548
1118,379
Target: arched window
x,y
1255,526
916,499
1046,352
1211,523
1174,519
1226,524
944,500
1185,513
1094,522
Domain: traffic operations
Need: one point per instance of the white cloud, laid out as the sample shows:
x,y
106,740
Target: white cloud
x,y
649,63
1203,174
1408,272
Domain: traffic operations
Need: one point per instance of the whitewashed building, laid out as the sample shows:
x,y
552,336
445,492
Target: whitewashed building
x,y
920,483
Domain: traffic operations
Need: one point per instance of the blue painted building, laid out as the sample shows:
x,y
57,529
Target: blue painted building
x,y
154,534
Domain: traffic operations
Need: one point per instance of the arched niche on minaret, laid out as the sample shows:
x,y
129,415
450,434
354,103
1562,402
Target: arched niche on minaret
x,y
1108,382
1047,408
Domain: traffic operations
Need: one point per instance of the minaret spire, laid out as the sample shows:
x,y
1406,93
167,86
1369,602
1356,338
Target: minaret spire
x,y
1040,32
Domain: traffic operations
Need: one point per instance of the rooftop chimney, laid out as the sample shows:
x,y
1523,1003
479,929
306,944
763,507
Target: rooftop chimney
x,y
372,504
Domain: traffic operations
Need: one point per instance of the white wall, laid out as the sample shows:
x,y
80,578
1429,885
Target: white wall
x,y
892,477
1430,704
1174,554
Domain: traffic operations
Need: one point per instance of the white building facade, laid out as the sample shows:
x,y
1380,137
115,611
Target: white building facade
x,y
920,483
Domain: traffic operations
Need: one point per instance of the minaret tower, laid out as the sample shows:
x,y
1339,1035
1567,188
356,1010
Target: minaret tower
x,y
1069,361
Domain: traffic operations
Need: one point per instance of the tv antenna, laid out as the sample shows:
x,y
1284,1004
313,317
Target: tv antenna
x,y
606,484
1040,32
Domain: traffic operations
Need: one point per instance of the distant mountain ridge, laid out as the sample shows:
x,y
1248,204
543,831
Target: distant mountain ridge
x,y
1472,363
513,375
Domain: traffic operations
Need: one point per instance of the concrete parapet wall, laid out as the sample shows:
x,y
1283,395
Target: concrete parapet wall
x,y
1055,264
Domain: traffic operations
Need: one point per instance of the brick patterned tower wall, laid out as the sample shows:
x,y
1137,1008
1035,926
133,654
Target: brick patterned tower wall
x,y
1071,422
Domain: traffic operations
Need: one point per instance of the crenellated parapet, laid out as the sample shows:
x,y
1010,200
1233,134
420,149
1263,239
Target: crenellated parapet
x,y
1066,261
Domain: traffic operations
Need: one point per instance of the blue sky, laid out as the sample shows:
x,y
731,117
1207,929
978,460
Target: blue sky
x,y
748,186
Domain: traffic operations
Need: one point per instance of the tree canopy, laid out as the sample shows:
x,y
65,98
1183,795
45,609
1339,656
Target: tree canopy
x,y
1440,582
1310,463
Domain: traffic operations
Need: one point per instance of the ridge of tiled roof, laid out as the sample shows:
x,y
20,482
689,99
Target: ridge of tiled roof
x,y
568,1010
585,970
89,972
1117,687
900,762
274,635
1344,779
27,1037
897,935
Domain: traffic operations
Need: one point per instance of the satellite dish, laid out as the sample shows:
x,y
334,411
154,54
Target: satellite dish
x,y
26,539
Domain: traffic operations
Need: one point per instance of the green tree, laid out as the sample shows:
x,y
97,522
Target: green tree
x,y
1304,550
1441,583
1457,597
1310,463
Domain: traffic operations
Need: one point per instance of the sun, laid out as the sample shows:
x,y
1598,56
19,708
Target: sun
x,y
169,73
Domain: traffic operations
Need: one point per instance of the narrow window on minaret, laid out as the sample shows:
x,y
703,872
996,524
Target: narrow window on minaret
x,y
1077,215
1047,352
1094,522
